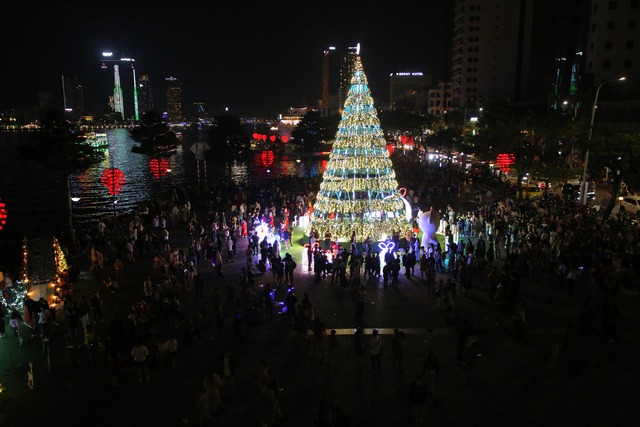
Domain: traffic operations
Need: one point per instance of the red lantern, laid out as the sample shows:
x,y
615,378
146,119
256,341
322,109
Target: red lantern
x,y
391,147
159,167
263,137
3,214
284,139
504,161
256,135
272,138
267,158
113,179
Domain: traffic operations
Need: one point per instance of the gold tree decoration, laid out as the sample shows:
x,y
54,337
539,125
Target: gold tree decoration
x,y
359,190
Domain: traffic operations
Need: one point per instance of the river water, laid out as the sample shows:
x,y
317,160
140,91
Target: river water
x,y
37,199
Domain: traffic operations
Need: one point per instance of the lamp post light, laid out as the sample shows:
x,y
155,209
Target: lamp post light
x,y
72,222
585,186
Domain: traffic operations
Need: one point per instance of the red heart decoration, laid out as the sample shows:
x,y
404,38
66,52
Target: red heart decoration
x,y
159,167
113,179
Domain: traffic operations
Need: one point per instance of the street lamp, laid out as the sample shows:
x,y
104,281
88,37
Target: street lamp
x,y
478,112
585,186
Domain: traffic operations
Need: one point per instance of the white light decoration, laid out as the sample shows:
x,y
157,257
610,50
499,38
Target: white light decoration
x,y
264,230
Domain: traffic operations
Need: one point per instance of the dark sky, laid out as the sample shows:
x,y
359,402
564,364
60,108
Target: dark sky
x,y
253,57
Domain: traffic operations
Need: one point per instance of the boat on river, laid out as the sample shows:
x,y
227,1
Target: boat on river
x,y
97,140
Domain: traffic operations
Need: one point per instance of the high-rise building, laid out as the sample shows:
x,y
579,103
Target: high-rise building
x,y
174,99
613,43
491,51
118,100
73,94
408,91
347,68
337,69
439,99
330,81
145,94
612,51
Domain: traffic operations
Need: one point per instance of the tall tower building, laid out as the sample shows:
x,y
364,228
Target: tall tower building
x,y
118,102
330,81
174,99
145,94
491,51
347,68
73,94
337,69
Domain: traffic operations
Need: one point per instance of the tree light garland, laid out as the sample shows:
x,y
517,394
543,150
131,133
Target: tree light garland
x,y
359,191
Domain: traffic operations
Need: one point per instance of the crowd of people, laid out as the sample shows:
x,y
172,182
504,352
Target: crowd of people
x,y
497,243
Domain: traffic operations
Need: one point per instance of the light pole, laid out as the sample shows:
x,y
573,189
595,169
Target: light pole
x,y
585,186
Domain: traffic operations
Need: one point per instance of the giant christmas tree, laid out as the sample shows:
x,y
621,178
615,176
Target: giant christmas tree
x,y
359,191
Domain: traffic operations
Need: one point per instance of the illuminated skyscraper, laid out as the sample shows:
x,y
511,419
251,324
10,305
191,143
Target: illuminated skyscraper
x,y
118,103
174,99
145,94
337,69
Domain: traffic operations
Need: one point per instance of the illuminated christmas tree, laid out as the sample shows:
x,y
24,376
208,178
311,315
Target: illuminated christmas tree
x,y
359,190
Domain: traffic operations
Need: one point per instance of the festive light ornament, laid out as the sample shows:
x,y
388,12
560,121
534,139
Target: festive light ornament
x,y
267,158
359,191
159,167
391,147
3,214
113,179
504,161
272,138
284,139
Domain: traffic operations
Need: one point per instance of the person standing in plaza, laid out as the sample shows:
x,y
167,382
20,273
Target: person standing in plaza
x,y
375,351
398,343
140,354
431,369
358,347
218,262
332,357
96,307
418,397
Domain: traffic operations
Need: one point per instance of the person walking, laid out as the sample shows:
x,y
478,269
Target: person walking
x,y
140,354
430,368
418,397
375,351
398,343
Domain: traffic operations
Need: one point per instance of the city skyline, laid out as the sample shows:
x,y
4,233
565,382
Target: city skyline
x,y
257,60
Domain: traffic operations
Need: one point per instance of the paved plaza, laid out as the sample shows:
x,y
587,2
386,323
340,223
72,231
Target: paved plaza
x,y
513,382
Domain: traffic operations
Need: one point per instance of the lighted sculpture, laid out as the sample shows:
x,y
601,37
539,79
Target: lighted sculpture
x,y
428,223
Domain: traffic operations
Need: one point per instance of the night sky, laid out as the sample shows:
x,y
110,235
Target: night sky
x,y
253,57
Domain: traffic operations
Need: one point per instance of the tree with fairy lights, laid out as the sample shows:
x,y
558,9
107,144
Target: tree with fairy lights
x,y
359,190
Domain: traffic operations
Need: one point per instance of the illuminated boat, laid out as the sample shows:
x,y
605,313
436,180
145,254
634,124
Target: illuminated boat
x,y
97,140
